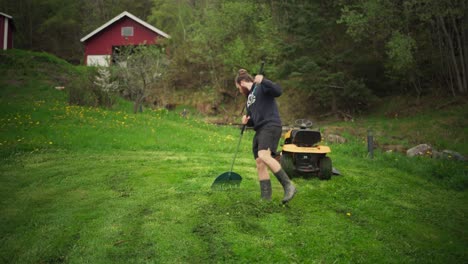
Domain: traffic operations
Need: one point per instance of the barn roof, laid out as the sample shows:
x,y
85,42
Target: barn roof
x,y
5,15
12,22
125,13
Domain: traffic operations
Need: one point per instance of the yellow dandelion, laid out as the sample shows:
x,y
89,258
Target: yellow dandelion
x,y
348,214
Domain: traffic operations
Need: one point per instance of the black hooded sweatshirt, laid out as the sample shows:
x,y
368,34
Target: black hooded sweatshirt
x,y
261,104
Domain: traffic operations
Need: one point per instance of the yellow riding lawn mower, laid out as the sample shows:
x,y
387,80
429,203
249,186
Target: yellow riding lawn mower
x,y
302,155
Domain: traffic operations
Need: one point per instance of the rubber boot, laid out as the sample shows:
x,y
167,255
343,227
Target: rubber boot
x,y
288,186
265,189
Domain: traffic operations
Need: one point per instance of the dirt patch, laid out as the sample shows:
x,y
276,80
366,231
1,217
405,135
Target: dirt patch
x,y
14,82
342,130
393,148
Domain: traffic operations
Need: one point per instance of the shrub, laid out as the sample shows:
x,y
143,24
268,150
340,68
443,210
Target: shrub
x,y
84,91
107,87
81,89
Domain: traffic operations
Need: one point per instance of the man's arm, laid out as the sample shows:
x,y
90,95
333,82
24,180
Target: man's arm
x,y
271,88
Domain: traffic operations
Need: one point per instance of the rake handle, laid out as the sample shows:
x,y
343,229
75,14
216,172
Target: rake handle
x,y
237,149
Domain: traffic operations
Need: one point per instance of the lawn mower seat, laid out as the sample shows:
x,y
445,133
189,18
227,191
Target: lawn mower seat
x,y
306,138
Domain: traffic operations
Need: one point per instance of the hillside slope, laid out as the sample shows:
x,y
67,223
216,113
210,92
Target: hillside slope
x,y
399,124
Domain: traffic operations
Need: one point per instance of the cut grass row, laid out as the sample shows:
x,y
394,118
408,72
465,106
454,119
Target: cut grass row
x,y
153,206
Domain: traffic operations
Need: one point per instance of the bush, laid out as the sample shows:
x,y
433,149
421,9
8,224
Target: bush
x,y
356,97
83,91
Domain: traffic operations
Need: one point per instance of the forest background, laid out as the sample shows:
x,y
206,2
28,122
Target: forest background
x,y
331,56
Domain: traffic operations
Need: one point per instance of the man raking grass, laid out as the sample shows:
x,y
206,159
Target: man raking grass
x,y
263,116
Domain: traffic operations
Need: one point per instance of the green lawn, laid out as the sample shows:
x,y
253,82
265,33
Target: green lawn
x,y
87,185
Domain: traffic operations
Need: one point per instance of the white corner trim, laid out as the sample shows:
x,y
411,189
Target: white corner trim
x,y
125,13
5,34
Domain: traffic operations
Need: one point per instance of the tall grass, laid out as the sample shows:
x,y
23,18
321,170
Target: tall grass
x,y
442,128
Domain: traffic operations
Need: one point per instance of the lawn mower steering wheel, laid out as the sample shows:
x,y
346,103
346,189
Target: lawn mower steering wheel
x,y
303,123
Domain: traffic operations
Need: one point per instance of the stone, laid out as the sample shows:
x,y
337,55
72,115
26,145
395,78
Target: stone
x,y
449,155
420,150
335,139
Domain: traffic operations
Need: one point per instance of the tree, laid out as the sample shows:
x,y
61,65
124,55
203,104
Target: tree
x,y
142,70
372,24
424,38
318,57
230,35
212,39
173,16
448,21
401,62
103,80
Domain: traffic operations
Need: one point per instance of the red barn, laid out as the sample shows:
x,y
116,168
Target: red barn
x,y
123,30
6,31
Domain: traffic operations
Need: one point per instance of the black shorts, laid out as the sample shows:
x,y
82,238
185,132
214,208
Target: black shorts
x,y
265,138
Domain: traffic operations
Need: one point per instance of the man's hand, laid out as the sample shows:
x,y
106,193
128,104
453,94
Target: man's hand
x,y
245,119
258,78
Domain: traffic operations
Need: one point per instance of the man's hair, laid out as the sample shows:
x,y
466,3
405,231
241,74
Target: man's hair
x,y
243,75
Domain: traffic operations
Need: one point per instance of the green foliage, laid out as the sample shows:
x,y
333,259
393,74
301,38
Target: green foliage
x,y
42,65
174,17
82,90
388,47
413,34
85,90
103,80
142,70
356,97
313,59
223,38
400,49
236,50
356,23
